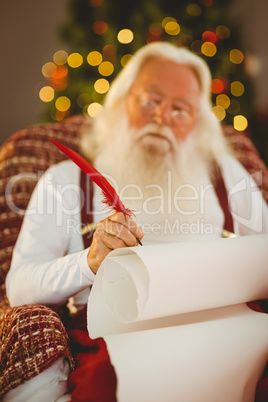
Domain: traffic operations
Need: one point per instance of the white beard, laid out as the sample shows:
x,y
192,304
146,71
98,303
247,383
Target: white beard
x,y
147,176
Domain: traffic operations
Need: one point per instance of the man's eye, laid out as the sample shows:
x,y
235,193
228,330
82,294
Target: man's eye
x,y
148,103
179,112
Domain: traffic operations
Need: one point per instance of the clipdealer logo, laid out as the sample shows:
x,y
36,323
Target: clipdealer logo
x,y
50,199
247,188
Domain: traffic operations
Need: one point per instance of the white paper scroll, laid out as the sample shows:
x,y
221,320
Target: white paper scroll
x,y
175,320
219,358
156,282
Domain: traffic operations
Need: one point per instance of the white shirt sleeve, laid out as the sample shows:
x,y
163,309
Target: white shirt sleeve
x,y
246,203
49,264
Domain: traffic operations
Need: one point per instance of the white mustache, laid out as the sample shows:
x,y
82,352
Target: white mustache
x,y
162,131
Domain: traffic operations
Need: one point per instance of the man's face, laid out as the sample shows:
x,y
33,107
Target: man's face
x,y
165,94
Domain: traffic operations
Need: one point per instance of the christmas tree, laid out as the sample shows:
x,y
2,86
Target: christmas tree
x,y
102,35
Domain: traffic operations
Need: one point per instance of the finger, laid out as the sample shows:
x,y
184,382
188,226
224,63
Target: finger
x,y
128,222
112,242
102,244
120,231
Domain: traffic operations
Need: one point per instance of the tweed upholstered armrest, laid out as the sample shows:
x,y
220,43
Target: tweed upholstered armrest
x,y
23,158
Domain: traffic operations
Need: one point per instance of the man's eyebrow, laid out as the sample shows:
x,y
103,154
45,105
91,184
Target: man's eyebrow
x,y
156,90
153,88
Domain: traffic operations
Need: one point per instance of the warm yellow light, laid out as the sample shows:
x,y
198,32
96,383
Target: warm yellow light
x,y
106,68
101,86
63,103
49,69
172,28
125,36
219,112
94,58
60,57
167,20
223,101
237,88
94,108
208,49
193,9
240,122
236,56
125,59
75,60
46,94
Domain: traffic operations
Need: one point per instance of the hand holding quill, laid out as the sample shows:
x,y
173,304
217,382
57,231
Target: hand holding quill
x,y
110,197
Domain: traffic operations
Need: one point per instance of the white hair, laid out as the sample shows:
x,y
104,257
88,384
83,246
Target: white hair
x,y
125,79
209,136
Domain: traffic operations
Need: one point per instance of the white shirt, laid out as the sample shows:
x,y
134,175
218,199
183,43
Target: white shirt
x,y
49,264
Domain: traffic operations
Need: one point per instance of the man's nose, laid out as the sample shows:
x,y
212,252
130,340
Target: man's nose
x,y
162,115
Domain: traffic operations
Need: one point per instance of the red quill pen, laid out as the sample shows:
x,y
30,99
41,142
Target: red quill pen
x,y
110,196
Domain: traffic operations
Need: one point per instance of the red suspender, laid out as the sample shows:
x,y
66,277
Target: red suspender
x,y
221,193
86,206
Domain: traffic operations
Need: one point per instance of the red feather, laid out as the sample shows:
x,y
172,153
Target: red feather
x,y
111,197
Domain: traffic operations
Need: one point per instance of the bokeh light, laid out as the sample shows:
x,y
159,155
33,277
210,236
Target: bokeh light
x,y
63,103
223,32
217,86
102,86
167,20
237,88
100,27
106,68
219,112
223,101
236,56
56,114
48,69
75,60
208,49
172,28
110,53
60,57
46,94
209,36
125,36
93,109
60,72
94,58
240,123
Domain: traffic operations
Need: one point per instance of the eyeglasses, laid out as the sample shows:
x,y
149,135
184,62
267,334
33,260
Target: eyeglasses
x,y
150,103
